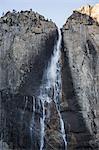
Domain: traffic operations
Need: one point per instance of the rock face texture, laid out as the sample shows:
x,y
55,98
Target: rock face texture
x,y
80,81
27,42
92,11
26,45
24,49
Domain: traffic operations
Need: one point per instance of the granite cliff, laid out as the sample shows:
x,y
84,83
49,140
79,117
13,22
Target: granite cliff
x,y
27,42
80,79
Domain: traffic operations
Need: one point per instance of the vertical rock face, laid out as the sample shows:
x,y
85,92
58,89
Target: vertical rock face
x,y
27,42
26,45
80,81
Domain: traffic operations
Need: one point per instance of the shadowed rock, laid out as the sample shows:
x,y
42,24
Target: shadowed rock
x,y
26,44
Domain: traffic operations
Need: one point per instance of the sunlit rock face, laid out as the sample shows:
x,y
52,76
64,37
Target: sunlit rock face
x,y
92,11
80,80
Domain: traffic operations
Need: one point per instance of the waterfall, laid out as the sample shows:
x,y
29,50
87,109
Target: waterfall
x,y
52,79
50,91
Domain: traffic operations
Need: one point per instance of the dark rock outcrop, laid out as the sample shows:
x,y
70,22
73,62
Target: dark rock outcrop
x,y
26,46
80,81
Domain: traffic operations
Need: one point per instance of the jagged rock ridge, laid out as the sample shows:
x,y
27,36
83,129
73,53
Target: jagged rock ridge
x,y
92,11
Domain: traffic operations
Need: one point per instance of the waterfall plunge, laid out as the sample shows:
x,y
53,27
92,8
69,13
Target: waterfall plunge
x,y
50,91
54,79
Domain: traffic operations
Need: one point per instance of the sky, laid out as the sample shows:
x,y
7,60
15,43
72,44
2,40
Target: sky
x,y
57,10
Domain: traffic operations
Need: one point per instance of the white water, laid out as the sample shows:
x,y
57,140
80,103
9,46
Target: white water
x,y
52,82
42,120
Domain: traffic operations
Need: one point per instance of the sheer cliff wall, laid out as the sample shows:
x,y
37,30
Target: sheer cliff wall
x,y
27,41
80,81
